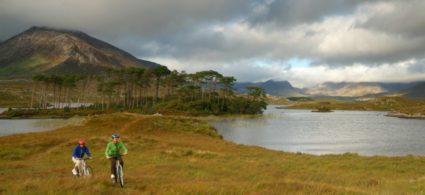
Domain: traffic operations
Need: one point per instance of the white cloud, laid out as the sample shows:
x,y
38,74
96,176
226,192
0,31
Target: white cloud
x,y
397,72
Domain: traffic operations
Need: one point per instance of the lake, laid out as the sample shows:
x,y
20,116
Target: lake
x,y
3,109
13,126
366,133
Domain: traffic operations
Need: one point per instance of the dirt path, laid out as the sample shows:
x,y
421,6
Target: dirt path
x,y
129,124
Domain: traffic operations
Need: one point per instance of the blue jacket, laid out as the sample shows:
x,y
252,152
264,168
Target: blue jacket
x,y
79,152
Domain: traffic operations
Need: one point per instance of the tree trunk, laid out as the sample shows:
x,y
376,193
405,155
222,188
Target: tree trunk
x,y
45,96
32,94
67,97
157,88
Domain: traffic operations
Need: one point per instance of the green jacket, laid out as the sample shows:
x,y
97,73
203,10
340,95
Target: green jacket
x,y
115,150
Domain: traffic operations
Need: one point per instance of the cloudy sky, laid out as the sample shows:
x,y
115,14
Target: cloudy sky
x,y
303,41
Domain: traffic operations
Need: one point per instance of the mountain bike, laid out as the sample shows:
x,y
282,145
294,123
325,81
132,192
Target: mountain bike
x,y
83,169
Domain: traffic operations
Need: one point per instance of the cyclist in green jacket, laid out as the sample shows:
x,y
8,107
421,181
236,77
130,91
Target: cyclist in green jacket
x,y
114,150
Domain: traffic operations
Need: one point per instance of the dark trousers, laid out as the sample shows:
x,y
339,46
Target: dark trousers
x,y
113,161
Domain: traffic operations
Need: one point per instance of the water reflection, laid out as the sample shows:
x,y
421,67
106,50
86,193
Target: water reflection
x,y
13,126
366,133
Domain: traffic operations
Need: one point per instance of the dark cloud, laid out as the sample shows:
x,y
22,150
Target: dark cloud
x,y
294,12
228,33
393,54
403,18
402,23
112,19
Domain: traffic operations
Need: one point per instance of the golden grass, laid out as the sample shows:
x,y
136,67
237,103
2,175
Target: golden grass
x,y
380,104
181,155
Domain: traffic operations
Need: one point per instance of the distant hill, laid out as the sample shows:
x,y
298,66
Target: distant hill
x,y
275,88
47,50
415,92
352,89
340,90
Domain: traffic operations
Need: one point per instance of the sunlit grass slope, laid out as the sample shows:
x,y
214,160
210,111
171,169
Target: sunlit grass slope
x,y
381,103
25,67
176,155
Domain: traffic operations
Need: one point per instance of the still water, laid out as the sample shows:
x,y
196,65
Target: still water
x,y
14,126
365,133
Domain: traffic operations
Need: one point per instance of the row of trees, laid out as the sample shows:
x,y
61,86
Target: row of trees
x,y
149,89
58,87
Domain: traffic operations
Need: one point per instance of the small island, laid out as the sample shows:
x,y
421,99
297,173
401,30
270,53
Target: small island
x,y
323,107
322,110
406,115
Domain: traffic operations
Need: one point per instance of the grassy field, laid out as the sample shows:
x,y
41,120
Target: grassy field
x,y
15,93
381,104
179,155
397,106
413,110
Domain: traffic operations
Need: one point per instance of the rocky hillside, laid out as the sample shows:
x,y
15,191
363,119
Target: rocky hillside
x,y
415,92
46,50
351,89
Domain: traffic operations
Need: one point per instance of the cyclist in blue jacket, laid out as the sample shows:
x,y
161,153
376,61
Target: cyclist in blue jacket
x,y
78,154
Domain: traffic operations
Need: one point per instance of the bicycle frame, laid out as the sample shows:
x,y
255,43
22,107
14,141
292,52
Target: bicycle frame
x,y
83,168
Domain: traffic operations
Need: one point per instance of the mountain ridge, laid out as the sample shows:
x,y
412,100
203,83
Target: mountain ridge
x,y
272,87
415,92
340,90
358,89
48,50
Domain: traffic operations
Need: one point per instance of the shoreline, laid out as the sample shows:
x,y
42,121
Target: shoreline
x,y
212,117
405,115
39,117
206,119
389,113
172,154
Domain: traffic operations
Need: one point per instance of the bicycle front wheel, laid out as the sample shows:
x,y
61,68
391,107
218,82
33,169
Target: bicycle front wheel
x,y
88,171
120,175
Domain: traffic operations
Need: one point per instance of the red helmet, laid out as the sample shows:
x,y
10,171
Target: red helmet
x,y
81,141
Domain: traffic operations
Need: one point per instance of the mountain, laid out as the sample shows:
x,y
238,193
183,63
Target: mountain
x,y
352,89
415,92
340,90
47,50
276,88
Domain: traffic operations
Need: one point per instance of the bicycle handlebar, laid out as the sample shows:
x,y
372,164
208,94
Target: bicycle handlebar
x,y
108,157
